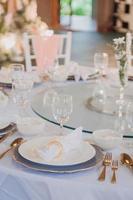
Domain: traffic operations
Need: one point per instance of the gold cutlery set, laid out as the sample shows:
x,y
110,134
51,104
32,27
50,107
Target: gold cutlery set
x,y
107,161
125,159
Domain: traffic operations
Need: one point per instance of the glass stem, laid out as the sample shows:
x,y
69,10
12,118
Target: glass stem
x,y
61,128
121,107
121,94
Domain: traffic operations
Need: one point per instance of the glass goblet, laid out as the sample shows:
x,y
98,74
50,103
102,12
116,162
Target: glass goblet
x,y
62,107
101,62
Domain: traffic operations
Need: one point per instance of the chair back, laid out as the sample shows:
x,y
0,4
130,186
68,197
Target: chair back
x,y
63,56
129,49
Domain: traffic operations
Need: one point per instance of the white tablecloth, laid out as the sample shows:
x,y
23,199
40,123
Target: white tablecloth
x,y
20,183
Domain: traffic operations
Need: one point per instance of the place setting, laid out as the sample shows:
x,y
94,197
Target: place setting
x,y
56,155
66,100
62,153
70,153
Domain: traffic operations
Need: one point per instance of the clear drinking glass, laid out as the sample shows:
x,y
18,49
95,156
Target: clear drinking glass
x,y
16,70
62,107
129,117
124,124
101,62
22,85
99,95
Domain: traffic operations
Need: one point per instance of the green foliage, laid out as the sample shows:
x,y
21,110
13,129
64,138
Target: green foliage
x,y
79,7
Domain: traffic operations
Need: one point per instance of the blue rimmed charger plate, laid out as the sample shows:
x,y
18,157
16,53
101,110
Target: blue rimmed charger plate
x,y
91,163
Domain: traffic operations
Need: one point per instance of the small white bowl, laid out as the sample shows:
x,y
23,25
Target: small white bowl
x,y
29,126
107,139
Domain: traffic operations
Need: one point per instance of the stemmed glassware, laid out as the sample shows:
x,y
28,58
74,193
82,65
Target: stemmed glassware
x,y
119,46
62,107
101,62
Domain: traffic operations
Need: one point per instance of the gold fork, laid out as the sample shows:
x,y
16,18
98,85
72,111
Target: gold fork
x,y
114,168
106,162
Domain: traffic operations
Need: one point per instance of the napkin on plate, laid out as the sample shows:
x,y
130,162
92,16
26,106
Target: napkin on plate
x,y
58,146
81,72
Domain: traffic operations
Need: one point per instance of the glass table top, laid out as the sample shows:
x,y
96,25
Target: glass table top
x,y
89,119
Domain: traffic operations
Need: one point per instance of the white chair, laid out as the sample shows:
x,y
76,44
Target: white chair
x,y
129,49
64,53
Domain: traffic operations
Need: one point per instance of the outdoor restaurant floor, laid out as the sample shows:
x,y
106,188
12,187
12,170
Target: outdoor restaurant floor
x,y
85,44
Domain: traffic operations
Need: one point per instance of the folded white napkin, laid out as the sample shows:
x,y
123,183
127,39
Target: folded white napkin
x,y
58,146
81,71
3,99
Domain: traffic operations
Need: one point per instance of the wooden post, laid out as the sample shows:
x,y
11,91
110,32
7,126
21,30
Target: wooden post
x,y
55,13
49,11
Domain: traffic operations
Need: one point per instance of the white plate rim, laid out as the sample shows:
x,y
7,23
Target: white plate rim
x,y
6,124
21,151
98,161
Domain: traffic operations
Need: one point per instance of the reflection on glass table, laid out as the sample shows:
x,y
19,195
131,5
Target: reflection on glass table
x,y
90,118
62,108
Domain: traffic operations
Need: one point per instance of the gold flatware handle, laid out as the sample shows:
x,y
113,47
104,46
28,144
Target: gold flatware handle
x,y
113,180
5,152
102,174
9,133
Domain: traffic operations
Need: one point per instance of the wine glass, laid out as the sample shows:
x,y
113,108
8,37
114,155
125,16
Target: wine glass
x,y
101,62
62,107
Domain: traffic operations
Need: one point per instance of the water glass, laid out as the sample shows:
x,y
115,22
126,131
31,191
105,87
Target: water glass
x,y
22,85
124,123
62,107
99,95
101,62
16,70
120,116
129,117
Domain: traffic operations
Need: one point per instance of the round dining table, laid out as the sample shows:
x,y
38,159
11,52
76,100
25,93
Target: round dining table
x,y
18,182
89,110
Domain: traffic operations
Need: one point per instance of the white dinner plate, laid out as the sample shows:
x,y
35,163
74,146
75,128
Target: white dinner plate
x,y
92,163
82,154
3,125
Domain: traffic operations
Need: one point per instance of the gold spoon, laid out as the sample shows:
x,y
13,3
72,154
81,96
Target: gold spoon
x,y
126,159
15,143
